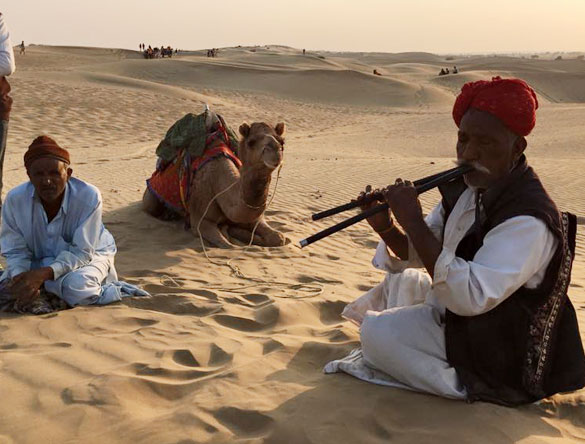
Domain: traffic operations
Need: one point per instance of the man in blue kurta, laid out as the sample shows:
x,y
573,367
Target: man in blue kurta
x,y
53,237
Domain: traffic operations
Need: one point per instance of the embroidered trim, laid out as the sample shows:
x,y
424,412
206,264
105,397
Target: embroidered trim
x,y
545,320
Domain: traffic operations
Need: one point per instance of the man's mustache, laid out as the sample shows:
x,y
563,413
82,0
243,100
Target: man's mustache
x,y
476,165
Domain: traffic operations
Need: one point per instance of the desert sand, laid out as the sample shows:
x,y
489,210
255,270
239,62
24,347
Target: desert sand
x,y
214,358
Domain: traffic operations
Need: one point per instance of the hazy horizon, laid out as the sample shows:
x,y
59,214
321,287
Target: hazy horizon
x,y
446,27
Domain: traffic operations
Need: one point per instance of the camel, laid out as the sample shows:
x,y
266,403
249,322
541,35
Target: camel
x,y
241,194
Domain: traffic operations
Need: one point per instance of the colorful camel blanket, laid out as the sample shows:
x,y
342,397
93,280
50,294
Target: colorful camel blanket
x,y
171,182
189,133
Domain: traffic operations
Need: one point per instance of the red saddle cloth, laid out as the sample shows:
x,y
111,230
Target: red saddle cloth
x,y
171,182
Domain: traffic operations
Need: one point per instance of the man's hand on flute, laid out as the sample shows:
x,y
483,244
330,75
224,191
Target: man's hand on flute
x,y
382,222
402,199
369,199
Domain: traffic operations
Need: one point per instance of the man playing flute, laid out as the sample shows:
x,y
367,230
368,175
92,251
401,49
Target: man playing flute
x,y
489,318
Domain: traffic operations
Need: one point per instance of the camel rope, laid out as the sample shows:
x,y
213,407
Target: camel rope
x,y
309,291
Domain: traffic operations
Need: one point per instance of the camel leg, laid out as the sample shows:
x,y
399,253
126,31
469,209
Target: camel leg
x,y
151,204
244,234
265,236
272,238
210,232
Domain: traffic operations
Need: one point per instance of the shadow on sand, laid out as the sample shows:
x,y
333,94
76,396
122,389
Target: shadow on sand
x,y
144,242
341,409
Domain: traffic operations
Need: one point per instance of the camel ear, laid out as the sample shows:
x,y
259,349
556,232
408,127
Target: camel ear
x,y
280,129
244,129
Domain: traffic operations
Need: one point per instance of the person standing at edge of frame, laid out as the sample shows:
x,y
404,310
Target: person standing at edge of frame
x,y
7,67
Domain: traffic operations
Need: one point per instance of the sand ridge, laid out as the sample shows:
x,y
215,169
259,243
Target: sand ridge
x,y
214,358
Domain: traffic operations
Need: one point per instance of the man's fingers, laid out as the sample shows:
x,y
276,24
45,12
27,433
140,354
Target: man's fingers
x,y
28,295
368,188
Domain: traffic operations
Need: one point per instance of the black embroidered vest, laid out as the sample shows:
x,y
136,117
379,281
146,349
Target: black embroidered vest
x,y
528,347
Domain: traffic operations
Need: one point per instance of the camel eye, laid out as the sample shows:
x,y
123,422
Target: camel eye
x,y
252,142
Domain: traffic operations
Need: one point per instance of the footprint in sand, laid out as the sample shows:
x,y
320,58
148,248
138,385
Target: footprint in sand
x,y
250,300
156,290
264,318
333,335
271,345
33,347
128,324
176,376
176,304
244,423
305,279
205,357
330,311
185,358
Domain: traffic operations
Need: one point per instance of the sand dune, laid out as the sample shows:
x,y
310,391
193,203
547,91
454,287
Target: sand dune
x,y
215,358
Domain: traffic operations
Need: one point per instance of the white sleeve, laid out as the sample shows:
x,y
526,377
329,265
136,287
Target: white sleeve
x,y
385,260
7,65
12,242
83,245
512,253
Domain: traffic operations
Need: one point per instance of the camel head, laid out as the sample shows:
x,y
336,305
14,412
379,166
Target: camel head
x,y
262,145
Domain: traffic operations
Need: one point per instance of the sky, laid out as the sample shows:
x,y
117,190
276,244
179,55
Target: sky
x,y
439,26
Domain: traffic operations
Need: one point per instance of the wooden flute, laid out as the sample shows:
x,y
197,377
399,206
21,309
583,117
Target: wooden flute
x,y
421,185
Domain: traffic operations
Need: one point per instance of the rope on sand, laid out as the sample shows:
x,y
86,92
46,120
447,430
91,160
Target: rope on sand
x,y
310,291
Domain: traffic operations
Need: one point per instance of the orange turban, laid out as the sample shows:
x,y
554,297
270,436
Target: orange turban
x,y
44,146
510,100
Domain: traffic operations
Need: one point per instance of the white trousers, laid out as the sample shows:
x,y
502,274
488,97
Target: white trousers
x,y
85,285
402,336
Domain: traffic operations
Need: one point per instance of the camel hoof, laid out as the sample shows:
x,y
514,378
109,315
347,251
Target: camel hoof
x,y
279,240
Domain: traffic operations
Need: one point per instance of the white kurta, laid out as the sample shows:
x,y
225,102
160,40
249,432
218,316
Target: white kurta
x,y
402,318
75,244
7,65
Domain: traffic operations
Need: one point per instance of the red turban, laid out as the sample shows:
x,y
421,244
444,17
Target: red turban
x,y
44,146
510,100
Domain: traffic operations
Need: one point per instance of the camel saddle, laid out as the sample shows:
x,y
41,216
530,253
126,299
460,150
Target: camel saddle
x,y
171,181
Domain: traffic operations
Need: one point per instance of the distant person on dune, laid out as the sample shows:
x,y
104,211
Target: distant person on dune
x,y
7,67
455,70
22,48
53,238
490,318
